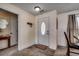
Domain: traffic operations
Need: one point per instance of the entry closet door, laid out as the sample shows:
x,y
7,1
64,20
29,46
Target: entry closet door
x,y
43,31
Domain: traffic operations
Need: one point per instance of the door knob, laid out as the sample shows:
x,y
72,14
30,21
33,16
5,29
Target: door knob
x,y
10,33
47,32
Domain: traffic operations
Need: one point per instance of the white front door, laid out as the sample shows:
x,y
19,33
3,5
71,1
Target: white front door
x,y
43,31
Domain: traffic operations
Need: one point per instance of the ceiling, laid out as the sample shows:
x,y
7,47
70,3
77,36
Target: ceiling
x,y
60,7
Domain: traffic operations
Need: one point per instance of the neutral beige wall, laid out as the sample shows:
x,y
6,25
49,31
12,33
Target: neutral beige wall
x,y
62,26
52,28
24,40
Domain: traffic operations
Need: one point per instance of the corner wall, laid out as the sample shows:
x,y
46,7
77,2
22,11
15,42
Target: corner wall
x,y
26,35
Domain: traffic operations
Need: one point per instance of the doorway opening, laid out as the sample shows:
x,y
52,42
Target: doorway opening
x,y
43,31
8,29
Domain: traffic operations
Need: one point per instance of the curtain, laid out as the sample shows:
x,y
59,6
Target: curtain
x,y
71,27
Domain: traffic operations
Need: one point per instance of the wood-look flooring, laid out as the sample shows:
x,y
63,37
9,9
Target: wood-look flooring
x,y
34,51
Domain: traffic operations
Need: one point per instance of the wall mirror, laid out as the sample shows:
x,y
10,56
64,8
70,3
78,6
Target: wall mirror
x,y
3,24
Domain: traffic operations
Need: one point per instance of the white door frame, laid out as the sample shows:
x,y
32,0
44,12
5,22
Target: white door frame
x,y
48,29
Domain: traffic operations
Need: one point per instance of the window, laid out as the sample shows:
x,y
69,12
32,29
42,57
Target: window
x,y
43,28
